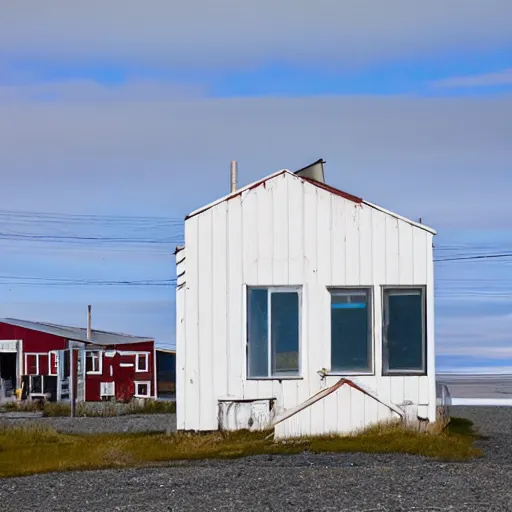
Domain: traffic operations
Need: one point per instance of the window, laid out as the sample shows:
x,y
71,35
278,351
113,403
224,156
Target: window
x,y
107,389
141,362
273,332
142,389
52,362
404,337
36,384
351,331
93,361
34,363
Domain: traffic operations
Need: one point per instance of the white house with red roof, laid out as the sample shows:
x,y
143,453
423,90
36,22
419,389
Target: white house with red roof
x,y
304,309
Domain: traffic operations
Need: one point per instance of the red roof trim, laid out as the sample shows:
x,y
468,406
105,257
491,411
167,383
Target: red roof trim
x,y
332,190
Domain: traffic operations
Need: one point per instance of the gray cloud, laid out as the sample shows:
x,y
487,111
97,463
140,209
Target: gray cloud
x,y
229,32
444,159
90,92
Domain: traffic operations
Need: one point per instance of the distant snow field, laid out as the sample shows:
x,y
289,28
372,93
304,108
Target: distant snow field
x,y
477,385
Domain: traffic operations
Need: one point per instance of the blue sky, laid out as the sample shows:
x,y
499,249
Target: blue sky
x,y
130,110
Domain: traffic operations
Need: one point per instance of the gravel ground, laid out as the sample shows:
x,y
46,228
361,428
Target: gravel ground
x,y
308,482
114,424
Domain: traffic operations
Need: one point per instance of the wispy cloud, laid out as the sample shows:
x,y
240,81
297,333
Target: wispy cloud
x,y
499,78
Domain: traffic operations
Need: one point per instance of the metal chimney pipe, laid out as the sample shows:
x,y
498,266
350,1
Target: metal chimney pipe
x,y
233,176
89,329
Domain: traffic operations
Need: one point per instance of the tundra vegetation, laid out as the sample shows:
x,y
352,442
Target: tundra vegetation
x,y
29,449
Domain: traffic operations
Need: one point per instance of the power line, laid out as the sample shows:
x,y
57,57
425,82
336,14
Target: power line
x,y
475,257
55,281
47,216
71,238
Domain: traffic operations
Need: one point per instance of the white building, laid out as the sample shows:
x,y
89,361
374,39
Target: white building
x,y
287,285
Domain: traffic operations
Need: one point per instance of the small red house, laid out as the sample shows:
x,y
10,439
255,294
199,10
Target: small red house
x,y
45,360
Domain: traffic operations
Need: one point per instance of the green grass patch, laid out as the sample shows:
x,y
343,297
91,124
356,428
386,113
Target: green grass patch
x,y
25,451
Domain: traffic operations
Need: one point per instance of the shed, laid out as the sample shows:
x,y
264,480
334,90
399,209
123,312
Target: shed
x,y
35,357
303,308
166,371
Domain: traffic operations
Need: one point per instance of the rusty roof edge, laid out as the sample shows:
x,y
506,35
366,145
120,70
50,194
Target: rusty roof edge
x,y
239,191
400,217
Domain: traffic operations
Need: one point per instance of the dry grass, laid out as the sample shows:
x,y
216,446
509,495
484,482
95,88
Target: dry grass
x,y
106,409
26,451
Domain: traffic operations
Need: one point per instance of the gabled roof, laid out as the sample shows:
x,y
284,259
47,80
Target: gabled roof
x,y
315,183
103,338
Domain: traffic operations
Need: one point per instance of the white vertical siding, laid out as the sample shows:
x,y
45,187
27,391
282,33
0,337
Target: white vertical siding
x,y
219,339
235,313
287,231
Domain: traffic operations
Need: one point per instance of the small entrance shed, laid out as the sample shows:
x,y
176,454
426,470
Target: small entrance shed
x,y
304,309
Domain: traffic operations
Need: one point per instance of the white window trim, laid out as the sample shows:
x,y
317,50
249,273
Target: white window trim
x,y
112,384
146,367
273,289
424,349
38,363
348,290
56,354
100,362
143,382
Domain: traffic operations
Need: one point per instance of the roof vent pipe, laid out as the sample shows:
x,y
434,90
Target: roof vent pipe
x,y
233,176
89,330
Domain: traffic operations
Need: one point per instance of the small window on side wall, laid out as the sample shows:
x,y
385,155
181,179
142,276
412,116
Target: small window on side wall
x,y
351,331
93,361
141,363
273,332
142,389
404,331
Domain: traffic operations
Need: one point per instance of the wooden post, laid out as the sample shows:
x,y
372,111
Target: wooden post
x,y
72,380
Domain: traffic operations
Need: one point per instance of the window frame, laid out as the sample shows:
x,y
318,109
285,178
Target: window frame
x,y
54,353
137,359
270,290
371,328
143,383
37,355
386,372
100,362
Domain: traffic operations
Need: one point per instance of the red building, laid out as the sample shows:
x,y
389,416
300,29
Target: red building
x,y
48,360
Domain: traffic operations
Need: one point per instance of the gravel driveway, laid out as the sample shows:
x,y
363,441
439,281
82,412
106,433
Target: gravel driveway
x,y
325,482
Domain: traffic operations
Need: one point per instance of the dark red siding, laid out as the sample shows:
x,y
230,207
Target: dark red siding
x,y
33,341
123,376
